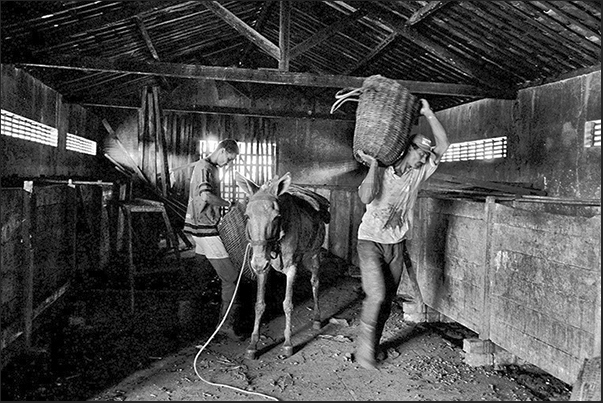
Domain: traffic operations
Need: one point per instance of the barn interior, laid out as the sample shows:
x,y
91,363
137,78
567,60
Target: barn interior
x,y
107,106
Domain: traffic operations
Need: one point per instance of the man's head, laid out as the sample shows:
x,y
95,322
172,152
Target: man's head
x,y
419,150
227,151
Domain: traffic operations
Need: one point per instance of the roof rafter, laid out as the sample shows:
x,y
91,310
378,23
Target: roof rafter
x,y
240,26
83,63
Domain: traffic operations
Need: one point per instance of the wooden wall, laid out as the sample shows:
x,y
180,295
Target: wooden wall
x,y
545,132
28,97
528,281
42,214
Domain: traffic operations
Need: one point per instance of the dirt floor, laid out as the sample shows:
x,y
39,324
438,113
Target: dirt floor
x,y
164,350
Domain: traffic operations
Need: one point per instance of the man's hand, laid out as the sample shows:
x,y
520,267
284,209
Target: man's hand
x,y
368,159
425,109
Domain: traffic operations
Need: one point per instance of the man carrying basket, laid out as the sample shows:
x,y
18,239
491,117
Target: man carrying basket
x,y
389,193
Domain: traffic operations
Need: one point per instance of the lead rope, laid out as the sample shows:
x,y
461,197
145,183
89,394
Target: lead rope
x,y
216,331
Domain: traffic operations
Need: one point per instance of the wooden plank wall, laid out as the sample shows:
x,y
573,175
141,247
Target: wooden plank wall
x,y
529,281
46,240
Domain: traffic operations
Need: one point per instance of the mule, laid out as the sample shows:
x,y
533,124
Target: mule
x,y
285,226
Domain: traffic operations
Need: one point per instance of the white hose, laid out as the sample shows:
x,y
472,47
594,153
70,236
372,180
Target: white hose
x,y
216,331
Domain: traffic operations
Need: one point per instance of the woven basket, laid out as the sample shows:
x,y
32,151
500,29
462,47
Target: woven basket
x,y
232,232
384,118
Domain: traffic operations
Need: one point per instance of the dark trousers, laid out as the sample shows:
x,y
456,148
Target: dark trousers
x,y
381,268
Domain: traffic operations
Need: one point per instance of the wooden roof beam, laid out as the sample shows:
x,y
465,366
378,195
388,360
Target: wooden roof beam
x,y
149,44
265,76
265,11
240,26
284,35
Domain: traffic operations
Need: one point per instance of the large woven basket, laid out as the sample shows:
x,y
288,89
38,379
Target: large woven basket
x,y
384,117
232,232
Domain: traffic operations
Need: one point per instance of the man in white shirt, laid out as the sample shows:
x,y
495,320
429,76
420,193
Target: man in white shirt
x,y
389,194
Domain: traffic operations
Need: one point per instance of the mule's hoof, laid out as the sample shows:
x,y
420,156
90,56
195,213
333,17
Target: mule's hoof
x,y
316,325
251,354
288,351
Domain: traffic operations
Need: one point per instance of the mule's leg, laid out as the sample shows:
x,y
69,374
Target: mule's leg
x,y
315,281
288,308
260,306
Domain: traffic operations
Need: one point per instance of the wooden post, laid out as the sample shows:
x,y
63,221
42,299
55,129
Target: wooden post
x,y
484,332
27,230
129,240
72,208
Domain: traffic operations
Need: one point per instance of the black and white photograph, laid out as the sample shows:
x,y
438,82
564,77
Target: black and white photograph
x,y
300,200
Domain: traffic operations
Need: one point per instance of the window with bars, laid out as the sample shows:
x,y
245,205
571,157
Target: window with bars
x,y
485,149
592,133
256,161
80,144
20,127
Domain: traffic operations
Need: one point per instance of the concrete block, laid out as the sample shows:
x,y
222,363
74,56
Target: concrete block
x,y
478,346
479,360
414,317
413,307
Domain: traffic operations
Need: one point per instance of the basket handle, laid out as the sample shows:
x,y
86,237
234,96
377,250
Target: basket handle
x,y
344,95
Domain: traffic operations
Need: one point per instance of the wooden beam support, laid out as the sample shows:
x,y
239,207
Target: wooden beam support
x,y
263,43
149,44
265,11
223,110
84,63
284,35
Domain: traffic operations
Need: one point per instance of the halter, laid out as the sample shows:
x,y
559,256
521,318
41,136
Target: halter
x,y
274,242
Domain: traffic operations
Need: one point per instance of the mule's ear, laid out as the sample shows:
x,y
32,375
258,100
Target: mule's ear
x,y
282,184
247,185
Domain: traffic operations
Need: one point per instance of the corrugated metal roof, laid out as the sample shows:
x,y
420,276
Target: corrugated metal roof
x,y
489,45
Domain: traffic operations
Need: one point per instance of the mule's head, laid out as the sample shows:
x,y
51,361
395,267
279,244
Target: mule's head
x,y
263,214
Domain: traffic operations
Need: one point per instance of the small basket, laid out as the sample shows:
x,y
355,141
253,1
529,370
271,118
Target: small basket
x,y
232,232
386,112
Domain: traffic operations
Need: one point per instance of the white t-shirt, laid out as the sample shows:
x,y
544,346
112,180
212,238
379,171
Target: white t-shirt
x,y
394,205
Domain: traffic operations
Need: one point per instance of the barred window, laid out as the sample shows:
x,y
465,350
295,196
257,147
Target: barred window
x,y
485,149
592,133
20,127
256,161
80,144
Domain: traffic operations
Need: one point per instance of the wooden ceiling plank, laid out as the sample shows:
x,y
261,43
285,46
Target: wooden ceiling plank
x,y
425,12
542,38
372,54
240,26
530,19
528,60
476,73
266,76
58,36
327,32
